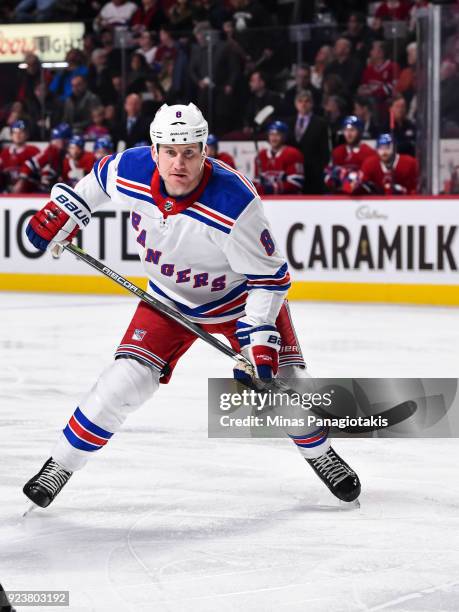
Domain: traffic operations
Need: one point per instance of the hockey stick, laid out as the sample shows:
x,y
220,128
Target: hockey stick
x,y
393,415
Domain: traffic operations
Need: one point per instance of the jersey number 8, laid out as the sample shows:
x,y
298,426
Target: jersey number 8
x,y
267,242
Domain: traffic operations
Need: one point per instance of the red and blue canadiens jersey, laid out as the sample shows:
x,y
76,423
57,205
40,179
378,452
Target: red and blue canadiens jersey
x,y
210,254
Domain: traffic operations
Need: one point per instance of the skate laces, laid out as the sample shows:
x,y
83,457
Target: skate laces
x,y
53,477
332,468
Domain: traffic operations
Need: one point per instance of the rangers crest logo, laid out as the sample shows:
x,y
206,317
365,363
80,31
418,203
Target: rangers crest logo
x,y
168,205
138,334
178,114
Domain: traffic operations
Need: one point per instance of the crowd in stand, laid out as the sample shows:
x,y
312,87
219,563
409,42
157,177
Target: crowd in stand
x,y
232,58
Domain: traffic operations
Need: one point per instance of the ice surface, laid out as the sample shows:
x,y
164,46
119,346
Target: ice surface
x,y
165,519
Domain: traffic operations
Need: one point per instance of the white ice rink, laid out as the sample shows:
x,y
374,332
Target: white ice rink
x,y
165,519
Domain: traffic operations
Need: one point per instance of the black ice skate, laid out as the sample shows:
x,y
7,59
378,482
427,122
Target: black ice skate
x,y
342,481
44,486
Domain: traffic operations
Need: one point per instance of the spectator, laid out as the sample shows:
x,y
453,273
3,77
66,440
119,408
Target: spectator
x,y
13,156
279,169
34,10
41,171
230,37
99,126
30,77
379,77
134,126
167,48
154,97
406,83
376,27
99,76
17,112
342,174
363,110
89,45
345,66
260,97
210,11
212,151
393,10
173,75
147,47
165,78
341,8
180,16
45,110
61,85
149,16
403,130
309,133
77,162
323,57
302,83
78,107
334,108
115,13
390,173
113,54
360,36
138,73
102,147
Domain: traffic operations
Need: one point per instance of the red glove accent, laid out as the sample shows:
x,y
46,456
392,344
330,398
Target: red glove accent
x,y
265,356
47,223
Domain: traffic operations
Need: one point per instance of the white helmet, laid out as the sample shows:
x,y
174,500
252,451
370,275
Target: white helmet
x,y
178,124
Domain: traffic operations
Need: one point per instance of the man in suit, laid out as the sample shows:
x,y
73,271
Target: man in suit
x,y
309,133
134,126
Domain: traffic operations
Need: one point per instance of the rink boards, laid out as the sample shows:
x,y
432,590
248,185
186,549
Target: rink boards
x,y
404,250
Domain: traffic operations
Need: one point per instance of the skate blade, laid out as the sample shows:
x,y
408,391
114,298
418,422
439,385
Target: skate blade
x,y
30,509
353,505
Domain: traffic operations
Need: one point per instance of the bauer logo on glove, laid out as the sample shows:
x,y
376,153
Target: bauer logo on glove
x,y
59,221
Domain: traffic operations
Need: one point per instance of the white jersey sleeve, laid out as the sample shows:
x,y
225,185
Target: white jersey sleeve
x,y
252,251
95,187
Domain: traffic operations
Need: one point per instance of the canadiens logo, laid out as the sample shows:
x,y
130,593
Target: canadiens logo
x,y
139,334
168,205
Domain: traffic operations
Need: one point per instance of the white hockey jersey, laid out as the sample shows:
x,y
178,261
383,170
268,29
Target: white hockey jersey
x,y
210,254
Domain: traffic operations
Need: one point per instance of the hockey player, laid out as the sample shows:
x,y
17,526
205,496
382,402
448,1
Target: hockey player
x,y
279,169
208,252
341,176
103,146
46,168
77,163
389,173
13,156
212,151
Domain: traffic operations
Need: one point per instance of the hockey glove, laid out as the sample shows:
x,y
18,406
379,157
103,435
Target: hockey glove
x,y
260,344
59,221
